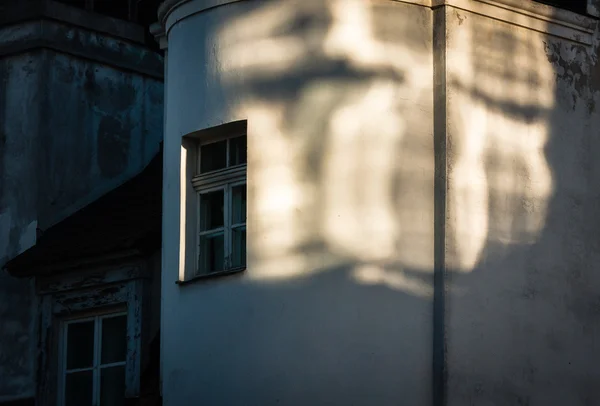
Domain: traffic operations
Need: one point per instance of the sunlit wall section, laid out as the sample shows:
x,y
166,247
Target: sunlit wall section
x,y
518,196
335,306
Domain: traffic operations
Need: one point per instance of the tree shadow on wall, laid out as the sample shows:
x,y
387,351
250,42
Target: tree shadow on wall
x,y
524,330
339,305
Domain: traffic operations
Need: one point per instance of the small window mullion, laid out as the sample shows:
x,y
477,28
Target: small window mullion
x,y
227,154
198,159
227,222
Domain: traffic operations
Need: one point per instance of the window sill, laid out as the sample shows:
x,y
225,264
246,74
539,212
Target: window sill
x,y
214,275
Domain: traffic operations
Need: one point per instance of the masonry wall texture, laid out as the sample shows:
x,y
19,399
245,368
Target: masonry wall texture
x,y
78,117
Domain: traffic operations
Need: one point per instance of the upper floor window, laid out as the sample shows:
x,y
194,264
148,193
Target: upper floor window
x,y
577,6
220,183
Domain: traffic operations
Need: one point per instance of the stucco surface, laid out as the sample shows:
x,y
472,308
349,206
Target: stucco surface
x,y
110,126
522,246
336,304
20,94
71,129
17,344
422,204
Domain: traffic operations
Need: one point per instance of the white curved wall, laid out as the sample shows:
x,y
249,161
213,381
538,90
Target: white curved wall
x,y
336,304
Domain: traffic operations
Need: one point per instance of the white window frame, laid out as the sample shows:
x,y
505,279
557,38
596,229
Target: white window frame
x,y
65,297
96,367
222,179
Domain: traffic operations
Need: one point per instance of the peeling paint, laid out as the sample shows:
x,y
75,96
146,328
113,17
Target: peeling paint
x,y
577,67
71,129
113,146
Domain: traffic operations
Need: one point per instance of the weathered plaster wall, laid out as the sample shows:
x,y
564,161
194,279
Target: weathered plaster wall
x,y
20,97
20,113
77,119
72,129
107,125
522,244
17,343
336,304
349,107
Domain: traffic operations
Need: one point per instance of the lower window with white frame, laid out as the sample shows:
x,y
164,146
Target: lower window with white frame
x,y
93,360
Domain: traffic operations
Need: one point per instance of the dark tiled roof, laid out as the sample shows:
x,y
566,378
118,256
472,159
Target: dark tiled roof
x,y
126,219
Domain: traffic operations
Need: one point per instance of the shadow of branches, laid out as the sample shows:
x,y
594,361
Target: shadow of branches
x,y
338,303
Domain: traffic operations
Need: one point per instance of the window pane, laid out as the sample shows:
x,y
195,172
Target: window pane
x,y
239,204
79,388
237,151
114,339
112,386
238,255
211,210
211,253
80,344
213,156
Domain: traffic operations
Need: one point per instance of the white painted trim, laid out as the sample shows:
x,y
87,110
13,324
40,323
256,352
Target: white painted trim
x,y
87,300
531,15
227,203
212,231
189,204
65,282
171,12
523,13
194,184
219,178
59,306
